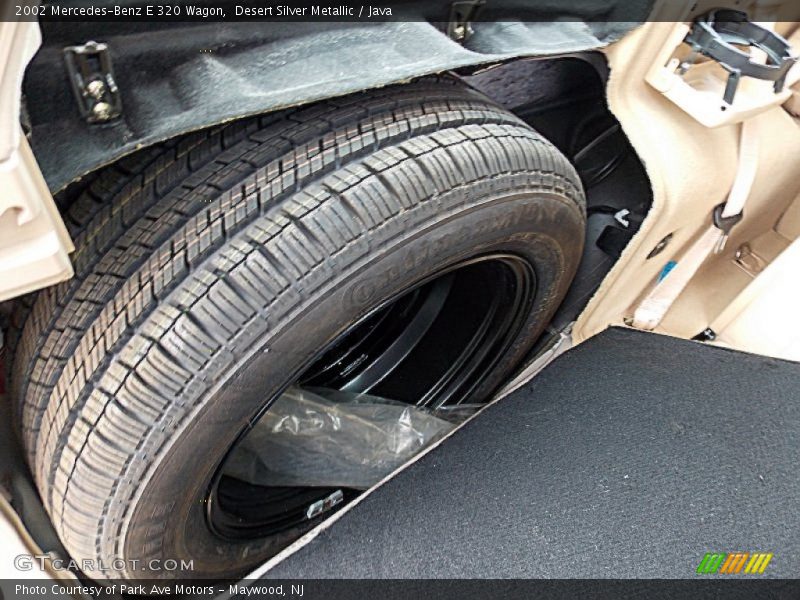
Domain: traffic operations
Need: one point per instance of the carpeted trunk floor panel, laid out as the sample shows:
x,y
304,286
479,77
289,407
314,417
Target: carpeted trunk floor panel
x,y
631,455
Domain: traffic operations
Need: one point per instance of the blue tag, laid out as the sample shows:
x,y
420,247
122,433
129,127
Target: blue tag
x,y
667,268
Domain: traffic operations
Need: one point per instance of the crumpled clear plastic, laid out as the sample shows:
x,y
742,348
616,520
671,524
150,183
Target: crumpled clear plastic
x,y
328,438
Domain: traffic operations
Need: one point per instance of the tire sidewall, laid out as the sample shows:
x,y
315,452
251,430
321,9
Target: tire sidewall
x,y
168,517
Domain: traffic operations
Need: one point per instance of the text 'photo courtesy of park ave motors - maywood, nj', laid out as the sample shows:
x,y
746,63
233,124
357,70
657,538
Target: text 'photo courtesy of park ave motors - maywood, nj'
x,y
164,588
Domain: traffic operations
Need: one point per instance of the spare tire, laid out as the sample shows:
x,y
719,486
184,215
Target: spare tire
x,y
411,242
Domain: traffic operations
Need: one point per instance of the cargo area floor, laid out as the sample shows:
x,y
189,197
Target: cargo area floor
x,y
631,455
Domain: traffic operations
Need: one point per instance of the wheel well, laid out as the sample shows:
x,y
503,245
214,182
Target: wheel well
x,y
178,78
564,99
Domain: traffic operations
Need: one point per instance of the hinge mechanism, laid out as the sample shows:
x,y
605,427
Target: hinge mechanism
x,y
92,79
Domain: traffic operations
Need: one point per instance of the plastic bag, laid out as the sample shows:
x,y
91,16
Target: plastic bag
x,y
328,438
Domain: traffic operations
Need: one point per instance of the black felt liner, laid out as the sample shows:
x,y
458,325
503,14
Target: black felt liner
x,y
630,456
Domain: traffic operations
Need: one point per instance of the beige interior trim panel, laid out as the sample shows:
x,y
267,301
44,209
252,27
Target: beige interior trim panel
x,y
34,244
692,167
764,317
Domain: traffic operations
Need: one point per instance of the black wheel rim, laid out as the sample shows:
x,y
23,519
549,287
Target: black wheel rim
x,y
430,346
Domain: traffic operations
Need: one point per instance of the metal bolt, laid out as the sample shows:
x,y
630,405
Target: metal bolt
x,y
96,89
102,111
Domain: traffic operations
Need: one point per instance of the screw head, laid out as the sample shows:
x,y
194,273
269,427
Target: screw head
x,y
102,111
96,89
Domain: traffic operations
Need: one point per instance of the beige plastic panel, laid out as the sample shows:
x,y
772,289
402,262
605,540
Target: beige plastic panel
x,y
700,90
764,318
789,225
718,283
691,168
34,243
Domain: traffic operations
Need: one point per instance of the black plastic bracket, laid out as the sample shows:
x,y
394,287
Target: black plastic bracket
x,y
716,36
707,335
725,224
